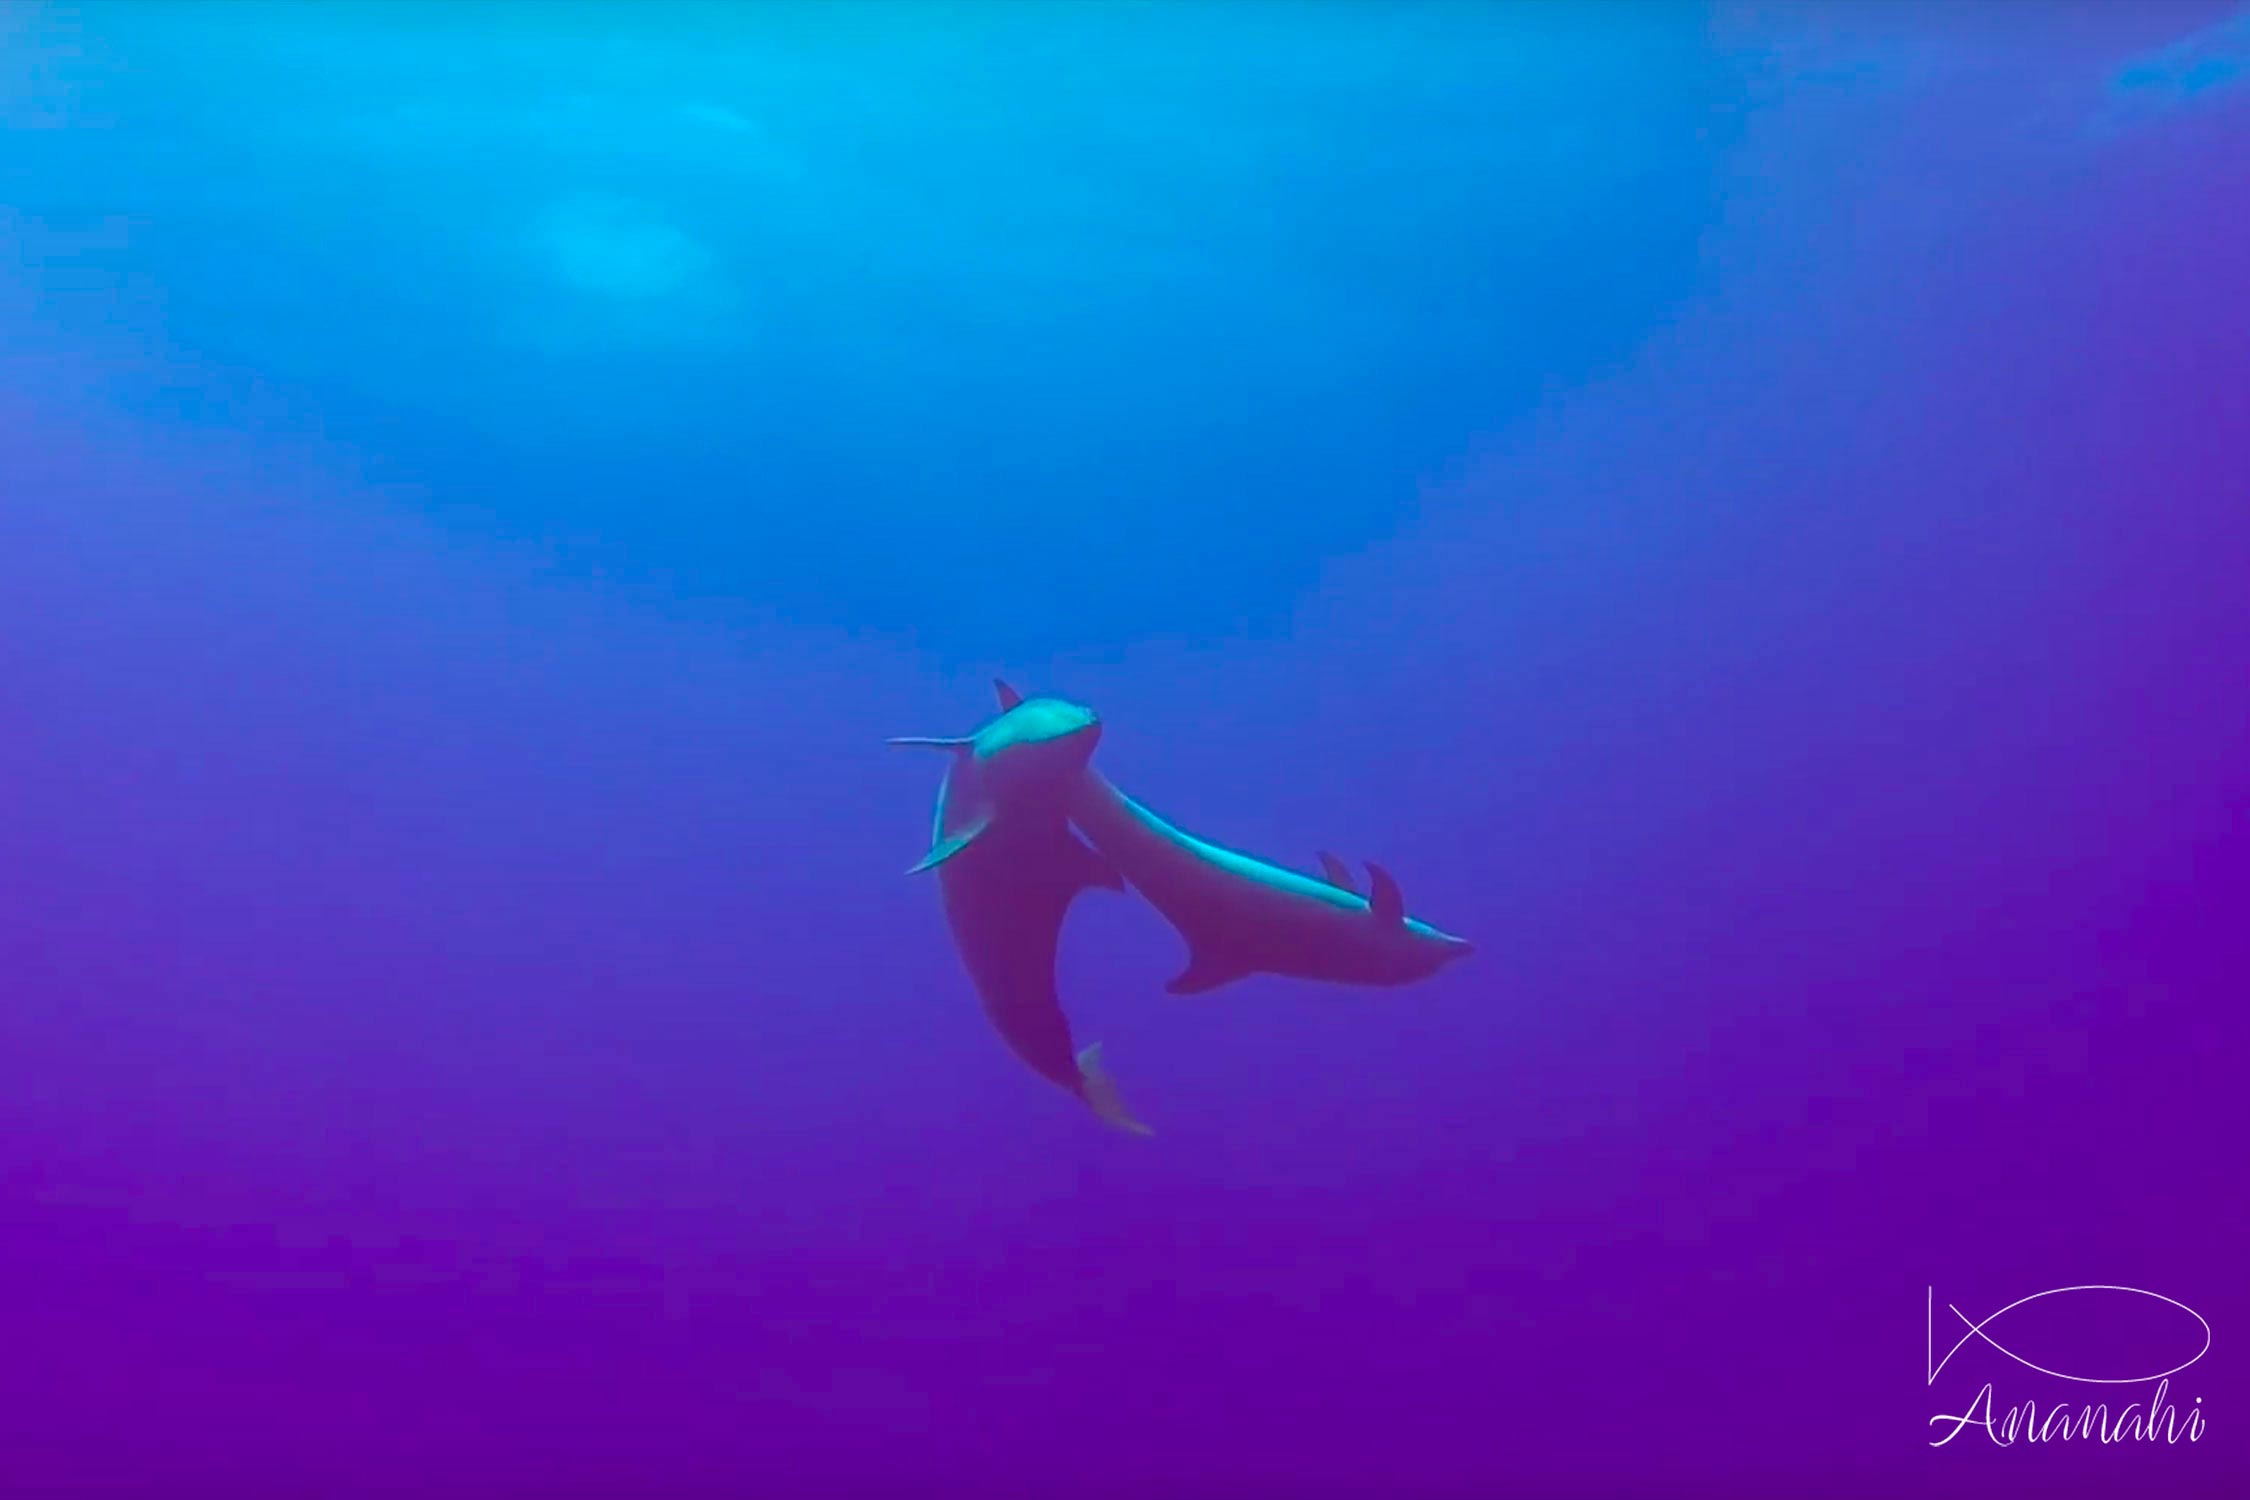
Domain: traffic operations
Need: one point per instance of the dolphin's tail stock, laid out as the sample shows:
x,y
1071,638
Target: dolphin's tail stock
x,y
1099,1091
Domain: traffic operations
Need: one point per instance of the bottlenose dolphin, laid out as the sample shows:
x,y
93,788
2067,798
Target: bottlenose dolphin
x,y
1008,868
1242,916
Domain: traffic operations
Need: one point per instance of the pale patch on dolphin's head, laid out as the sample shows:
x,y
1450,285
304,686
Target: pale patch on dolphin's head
x,y
1037,748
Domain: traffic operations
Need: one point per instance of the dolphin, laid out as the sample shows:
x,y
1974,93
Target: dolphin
x,y
1008,868
1242,916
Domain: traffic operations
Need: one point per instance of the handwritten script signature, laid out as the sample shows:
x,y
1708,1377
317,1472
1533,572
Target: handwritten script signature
x,y
2158,1421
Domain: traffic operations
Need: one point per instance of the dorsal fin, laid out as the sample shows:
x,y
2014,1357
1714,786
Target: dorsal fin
x,y
1332,869
1383,897
1008,696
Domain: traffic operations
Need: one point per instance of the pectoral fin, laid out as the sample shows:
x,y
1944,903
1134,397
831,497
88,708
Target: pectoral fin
x,y
950,845
1205,971
1333,870
1383,898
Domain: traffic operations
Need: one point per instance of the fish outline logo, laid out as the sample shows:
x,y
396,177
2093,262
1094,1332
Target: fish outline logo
x,y
1933,1365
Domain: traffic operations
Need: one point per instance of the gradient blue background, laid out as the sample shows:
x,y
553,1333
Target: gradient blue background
x,y
1744,509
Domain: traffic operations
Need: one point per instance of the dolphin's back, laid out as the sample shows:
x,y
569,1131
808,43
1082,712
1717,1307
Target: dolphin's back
x,y
1239,914
1157,856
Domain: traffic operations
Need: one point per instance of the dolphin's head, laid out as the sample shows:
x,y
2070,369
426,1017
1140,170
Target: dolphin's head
x,y
1038,747
1441,948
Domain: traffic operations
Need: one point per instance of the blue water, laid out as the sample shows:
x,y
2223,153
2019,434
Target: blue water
x,y
1739,508
1148,309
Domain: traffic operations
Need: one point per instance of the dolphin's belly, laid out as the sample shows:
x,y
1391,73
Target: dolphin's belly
x,y
1286,933
1005,911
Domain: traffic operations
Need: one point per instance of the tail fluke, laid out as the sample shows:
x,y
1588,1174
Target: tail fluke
x,y
1099,1091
